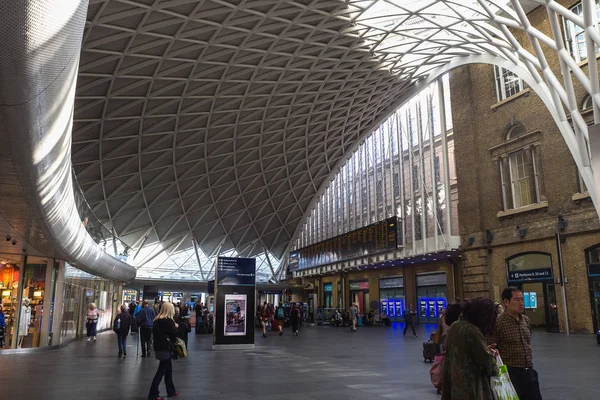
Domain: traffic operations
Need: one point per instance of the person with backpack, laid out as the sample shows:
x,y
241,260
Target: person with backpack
x,y
280,317
121,326
409,320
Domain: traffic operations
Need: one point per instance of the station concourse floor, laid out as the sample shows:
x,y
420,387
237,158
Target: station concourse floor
x,y
321,363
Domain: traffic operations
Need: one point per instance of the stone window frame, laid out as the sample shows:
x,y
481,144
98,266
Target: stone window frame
x,y
530,142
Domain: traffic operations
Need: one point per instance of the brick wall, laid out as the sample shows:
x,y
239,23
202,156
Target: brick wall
x,y
478,126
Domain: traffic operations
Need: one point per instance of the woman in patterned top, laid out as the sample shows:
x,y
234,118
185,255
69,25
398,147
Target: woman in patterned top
x,y
469,362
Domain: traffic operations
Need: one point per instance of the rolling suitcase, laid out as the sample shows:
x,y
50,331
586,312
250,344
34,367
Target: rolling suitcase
x,y
430,350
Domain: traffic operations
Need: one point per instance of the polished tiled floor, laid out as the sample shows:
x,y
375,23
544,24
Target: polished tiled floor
x,y
321,363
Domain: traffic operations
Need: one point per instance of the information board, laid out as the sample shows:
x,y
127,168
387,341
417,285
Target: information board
x,y
235,302
372,239
236,271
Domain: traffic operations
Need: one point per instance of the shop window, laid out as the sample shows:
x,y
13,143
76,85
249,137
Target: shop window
x,y
10,273
575,35
507,83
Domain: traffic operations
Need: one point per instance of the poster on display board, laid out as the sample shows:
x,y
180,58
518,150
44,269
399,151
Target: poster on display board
x,y
235,314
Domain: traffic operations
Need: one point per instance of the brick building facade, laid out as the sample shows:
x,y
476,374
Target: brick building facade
x,y
518,187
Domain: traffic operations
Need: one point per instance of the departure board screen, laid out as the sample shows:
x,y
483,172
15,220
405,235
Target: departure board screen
x,y
375,238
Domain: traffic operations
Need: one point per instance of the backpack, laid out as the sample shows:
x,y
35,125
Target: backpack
x,y
117,325
280,314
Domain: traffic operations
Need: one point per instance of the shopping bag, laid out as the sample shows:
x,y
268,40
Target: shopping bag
x,y
502,387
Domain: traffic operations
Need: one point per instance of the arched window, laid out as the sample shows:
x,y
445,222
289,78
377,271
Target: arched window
x,y
587,103
514,130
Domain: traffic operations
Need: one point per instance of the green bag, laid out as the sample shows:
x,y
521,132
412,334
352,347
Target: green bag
x,y
180,348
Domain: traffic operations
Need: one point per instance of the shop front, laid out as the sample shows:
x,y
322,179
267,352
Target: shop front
x,y
130,295
359,294
327,295
391,298
593,270
532,274
432,295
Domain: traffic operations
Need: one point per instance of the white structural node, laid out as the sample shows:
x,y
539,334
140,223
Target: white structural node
x,y
211,127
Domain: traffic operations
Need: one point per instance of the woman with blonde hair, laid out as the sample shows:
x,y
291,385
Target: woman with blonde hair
x,y
91,322
165,335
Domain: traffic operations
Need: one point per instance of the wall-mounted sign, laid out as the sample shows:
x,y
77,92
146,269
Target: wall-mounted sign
x,y
530,275
359,285
388,283
328,287
431,279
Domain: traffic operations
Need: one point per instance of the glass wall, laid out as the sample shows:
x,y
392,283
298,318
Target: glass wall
x,y
405,168
80,289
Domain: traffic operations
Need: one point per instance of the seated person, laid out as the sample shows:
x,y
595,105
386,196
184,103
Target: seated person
x,y
384,318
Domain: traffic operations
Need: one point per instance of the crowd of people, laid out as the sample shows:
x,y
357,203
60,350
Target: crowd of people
x,y
473,335
273,318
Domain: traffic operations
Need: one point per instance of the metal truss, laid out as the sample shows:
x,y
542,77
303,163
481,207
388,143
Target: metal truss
x,y
222,123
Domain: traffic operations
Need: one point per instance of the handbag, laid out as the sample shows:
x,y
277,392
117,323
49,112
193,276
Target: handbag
x,y
502,387
180,348
436,372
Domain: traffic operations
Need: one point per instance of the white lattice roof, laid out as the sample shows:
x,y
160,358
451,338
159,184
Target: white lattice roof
x,y
219,121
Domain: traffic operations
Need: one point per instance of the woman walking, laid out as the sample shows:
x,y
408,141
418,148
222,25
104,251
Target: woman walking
x,y
165,334
91,322
469,362
121,326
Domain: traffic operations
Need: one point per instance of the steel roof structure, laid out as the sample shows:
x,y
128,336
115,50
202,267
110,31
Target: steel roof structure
x,y
204,127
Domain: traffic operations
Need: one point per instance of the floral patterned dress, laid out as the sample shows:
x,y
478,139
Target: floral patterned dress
x,y
468,364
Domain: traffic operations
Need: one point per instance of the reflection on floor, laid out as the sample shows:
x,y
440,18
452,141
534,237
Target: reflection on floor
x,y
321,363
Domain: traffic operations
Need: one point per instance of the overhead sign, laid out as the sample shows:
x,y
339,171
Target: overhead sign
x,y
236,271
530,275
150,291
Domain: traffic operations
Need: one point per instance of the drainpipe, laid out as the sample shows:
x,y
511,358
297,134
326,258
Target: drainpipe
x,y
563,288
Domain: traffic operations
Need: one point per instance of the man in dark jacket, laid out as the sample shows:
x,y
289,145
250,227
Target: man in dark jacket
x,y
121,326
145,320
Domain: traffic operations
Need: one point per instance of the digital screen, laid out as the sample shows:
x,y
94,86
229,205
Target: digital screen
x,y
399,308
6,293
236,271
375,238
526,299
423,307
384,307
532,300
